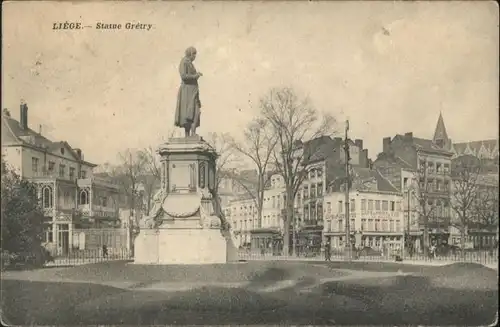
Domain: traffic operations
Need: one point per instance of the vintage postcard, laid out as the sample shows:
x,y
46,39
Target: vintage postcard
x,y
250,163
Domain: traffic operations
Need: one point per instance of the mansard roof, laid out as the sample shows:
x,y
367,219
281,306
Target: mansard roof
x,y
14,134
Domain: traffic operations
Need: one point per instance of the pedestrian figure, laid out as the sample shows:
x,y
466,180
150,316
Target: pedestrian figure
x,y
104,251
327,251
432,251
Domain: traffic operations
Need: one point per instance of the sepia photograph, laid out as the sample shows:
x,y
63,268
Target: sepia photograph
x,y
250,163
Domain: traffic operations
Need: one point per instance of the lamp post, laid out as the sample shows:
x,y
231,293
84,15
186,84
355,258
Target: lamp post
x,y
407,232
347,180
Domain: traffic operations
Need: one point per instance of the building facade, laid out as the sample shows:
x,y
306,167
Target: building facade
x,y
243,218
376,211
71,197
376,216
423,168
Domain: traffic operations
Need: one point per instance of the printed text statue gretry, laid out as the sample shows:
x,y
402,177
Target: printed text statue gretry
x,y
187,113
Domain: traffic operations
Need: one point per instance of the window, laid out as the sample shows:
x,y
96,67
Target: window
x,y
320,189
377,224
34,164
83,174
391,225
319,172
385,205
306,192
51,166
84,197
398,226
363,205
47,197
62,170
370,205
47,234
320,211
377,205
340,206
341,225
363,224
104,201
352,205
393,206
370,224
385,225
71,173
352,225
328,207
274,202
313,191
306,212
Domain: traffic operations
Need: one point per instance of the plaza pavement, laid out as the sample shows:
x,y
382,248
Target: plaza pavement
x,y
255,292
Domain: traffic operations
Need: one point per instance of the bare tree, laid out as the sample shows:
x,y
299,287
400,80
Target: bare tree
x,y
426,207
293,120
485,206
127,174
150,177
464,195
259,141
221,142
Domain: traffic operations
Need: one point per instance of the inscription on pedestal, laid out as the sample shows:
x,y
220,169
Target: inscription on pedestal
x,y
183,177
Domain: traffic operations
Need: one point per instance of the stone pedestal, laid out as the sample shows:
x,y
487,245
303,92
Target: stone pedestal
x,y
186,225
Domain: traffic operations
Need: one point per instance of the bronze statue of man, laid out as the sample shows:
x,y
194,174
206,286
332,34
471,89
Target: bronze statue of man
x,y
187,113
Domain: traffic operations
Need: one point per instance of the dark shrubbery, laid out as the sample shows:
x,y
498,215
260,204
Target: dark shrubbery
x,y
22,222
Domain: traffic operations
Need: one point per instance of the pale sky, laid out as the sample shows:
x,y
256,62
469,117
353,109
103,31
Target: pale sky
x,y
389,67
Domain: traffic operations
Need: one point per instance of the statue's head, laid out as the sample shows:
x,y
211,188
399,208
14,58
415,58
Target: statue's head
x,y
191,53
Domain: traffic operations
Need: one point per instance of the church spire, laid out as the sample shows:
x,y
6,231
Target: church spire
x,y
440,136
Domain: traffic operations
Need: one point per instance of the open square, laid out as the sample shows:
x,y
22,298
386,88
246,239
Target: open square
x,y
259,292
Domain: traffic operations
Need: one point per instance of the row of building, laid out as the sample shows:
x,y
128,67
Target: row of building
x,y
385,198
73,198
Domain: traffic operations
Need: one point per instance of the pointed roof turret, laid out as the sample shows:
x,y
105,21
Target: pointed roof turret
x,y
440,136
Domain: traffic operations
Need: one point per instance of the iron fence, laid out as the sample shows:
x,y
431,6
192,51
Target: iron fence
x,y
83,246
482,257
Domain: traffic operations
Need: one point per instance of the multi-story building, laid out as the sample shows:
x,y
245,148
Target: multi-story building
x,y
429,166
324,161
71,197
321,159
243,218
268,234
375,212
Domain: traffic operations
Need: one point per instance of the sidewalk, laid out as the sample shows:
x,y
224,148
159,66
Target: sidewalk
x,y
420,262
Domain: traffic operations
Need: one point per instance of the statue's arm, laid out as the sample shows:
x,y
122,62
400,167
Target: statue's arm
x,y
185,75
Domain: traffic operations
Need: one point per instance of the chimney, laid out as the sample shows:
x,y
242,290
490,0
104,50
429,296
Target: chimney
x,y
24,115
386,144
408,137
79,153
359,143
6,112
40,129
365,158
